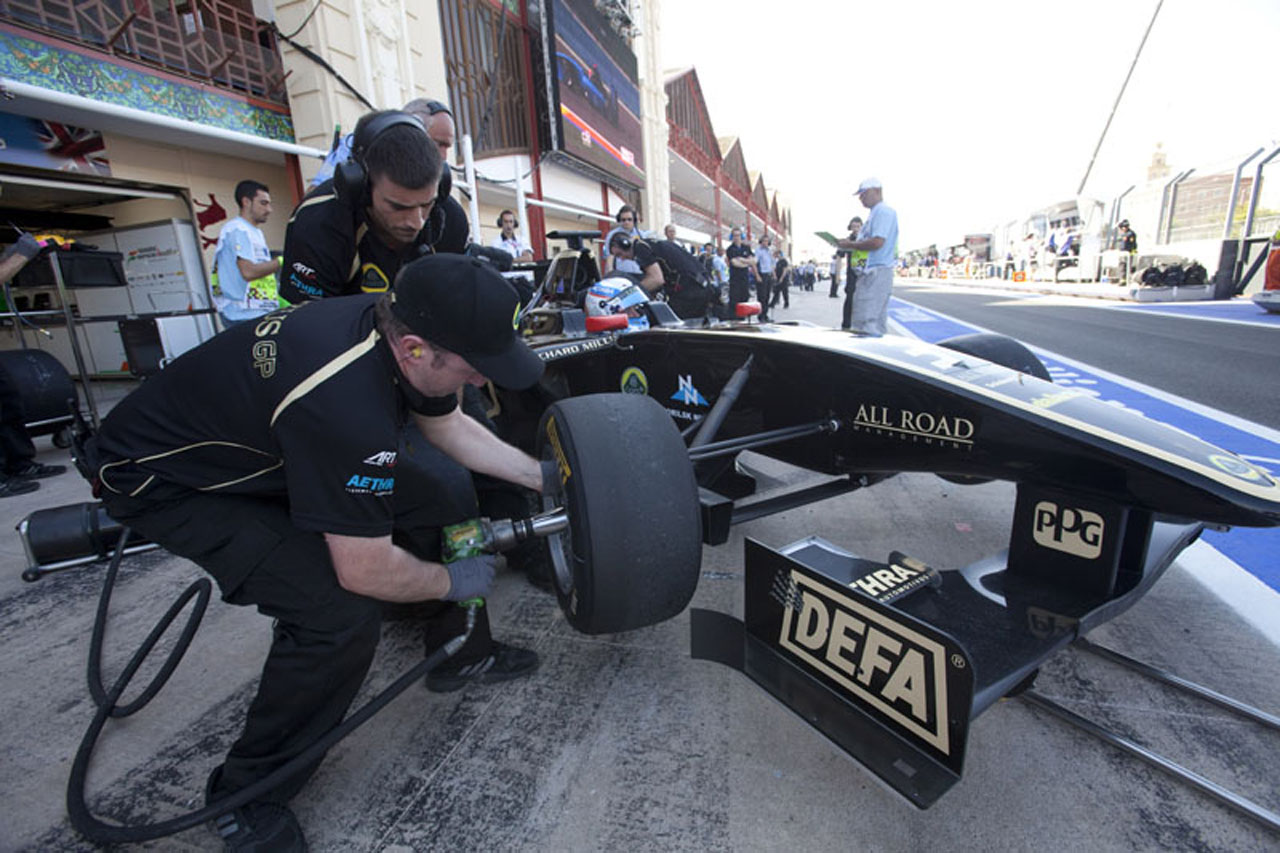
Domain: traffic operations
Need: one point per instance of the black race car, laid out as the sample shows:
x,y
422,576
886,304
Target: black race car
x,y
891,660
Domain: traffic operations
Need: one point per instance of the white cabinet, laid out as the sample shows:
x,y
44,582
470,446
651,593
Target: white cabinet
x,y
163,268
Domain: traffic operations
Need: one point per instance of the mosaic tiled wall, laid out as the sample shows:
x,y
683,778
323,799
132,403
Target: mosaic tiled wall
x,y
38,64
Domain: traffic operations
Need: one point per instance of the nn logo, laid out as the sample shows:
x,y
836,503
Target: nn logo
x,y
1077,532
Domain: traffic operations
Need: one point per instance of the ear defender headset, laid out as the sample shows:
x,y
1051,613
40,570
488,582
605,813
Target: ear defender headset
x,y
350,178
513,217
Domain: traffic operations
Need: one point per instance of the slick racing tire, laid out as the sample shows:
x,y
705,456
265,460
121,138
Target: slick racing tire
x,y
1001,350
633,549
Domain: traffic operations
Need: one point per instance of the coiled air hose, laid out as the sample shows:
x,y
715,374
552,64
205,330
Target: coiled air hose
x,y
107,702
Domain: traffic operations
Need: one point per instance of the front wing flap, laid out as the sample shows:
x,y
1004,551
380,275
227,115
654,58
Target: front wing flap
x,y
887,688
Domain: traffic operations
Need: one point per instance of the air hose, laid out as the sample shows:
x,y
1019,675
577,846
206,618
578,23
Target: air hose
x,y
107,702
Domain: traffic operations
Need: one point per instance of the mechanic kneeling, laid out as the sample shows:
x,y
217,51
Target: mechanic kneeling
x,y
268,457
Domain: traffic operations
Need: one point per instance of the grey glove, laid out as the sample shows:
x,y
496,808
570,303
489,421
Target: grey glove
x,y
470,577
27,247
551,482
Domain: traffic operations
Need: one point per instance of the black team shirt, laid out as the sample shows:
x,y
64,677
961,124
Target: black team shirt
x,y
330,250
302,404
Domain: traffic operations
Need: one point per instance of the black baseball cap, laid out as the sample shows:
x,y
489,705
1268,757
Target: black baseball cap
x,y
464,305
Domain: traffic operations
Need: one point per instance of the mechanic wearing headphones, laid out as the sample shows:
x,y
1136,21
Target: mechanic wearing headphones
x,y
268,456
437,118
353,233
629,225
667,267
508,241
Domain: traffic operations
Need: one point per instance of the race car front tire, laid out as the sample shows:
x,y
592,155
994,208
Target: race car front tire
x,y
632,553
1001,350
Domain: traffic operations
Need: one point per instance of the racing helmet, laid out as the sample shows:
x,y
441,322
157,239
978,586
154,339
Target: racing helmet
x,y
618,295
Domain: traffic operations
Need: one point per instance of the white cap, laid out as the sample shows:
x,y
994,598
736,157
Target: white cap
x,y
868,184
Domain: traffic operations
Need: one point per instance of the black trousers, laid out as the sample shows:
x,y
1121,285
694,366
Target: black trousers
x,y
16,449
739,291
323,637
764,289
782,289
850,285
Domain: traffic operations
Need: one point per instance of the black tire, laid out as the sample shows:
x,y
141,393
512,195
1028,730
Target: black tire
x,y
1001,350
62,438
633,550
998,349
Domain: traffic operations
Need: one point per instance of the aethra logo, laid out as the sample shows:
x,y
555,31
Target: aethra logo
x,y
1074,531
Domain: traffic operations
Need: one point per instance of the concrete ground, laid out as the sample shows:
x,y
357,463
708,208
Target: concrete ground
x,y
623,742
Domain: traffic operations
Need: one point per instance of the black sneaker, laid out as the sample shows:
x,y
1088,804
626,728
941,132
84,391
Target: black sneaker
x,y
256,827
37,471
13,486
502,664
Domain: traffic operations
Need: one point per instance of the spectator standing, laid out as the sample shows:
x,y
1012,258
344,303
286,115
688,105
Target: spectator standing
x,y
721,269
740,260
835,276
245,285
855,263
879,239
782,273
509,241
765,278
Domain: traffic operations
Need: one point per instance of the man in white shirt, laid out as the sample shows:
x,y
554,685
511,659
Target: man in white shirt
x,y
764,285
245,285
509,241
879,239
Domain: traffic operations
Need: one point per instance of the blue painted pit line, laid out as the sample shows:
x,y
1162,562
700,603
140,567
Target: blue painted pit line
x,y
1253,549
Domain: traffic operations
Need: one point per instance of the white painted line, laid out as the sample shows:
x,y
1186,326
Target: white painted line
x,y
1256,602
1149,308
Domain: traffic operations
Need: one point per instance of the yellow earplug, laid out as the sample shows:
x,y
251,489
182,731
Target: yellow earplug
x,y
416,352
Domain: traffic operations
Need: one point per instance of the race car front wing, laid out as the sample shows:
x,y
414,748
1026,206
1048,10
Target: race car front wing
x,y
892,660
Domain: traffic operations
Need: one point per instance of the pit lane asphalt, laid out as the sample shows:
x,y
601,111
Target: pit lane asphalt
x,y
622,742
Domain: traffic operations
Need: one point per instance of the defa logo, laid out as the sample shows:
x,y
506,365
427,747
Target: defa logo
x,y
382,459
884,663
1077,532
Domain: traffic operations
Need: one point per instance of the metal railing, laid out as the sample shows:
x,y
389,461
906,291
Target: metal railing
x,y
489,98
213,41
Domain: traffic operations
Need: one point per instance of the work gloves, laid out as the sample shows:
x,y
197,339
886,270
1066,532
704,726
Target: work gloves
x,y
470,577
27,247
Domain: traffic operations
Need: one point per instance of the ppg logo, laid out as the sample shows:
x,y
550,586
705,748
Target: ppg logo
x,y
1074,531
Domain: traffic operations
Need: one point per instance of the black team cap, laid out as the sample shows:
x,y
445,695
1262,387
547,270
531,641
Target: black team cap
x,y
463,305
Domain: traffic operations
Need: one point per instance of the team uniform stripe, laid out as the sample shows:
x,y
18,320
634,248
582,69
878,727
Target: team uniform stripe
x,y
328,371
